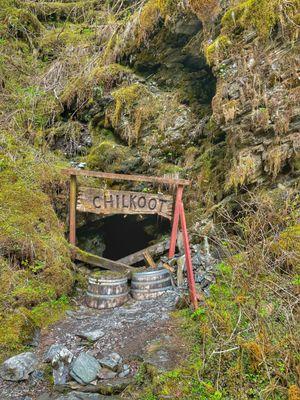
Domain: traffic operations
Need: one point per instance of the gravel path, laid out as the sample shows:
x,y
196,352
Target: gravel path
x,y
138,331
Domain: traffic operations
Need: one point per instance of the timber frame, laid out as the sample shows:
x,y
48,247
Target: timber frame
x,y
178,216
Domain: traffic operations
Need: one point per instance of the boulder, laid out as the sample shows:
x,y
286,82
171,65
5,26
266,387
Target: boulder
x,y
92,336
61,366
52,351
85,368
114,386
112,361
18,368
106,373
106,387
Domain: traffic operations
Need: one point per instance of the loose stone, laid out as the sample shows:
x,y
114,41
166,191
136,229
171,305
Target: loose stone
x,y
92,336
106,373
125,371
112,361
61,366
85,368
18,368
52,351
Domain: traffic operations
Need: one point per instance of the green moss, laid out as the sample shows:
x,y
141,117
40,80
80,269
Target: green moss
x,y
49,312
33,292
60,11
18,22
111,72
108,156
166,168
18,326
217,49
260,15
56,40
15,330
100,134
125,97
27,301
107,274
35,266
84,89
27,217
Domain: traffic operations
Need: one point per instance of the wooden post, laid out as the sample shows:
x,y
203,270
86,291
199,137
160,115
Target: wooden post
x,y
72,211
188,258
175,221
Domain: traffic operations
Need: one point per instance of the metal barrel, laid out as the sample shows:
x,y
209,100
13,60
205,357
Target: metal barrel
x,y
107,290
150,284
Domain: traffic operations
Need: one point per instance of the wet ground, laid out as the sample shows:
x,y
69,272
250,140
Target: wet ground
x,y
138,331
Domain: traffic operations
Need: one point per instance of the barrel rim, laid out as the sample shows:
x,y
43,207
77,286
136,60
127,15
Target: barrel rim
x,y
106,296
107,281
150,273
152,283
163,289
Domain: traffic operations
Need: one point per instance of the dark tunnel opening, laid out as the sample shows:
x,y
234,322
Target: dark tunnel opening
x,y
117,236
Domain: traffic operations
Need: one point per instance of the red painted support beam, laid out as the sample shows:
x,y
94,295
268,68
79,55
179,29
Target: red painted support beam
x,y
72,211
188,258
175,221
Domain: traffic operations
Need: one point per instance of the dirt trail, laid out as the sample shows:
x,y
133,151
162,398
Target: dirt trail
x,y
137,331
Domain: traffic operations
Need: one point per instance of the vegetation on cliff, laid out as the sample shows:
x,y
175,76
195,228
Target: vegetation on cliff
x,y
207,90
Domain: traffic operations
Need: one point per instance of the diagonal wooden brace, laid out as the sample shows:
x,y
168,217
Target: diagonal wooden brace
x,y
179,214
175,221
188,258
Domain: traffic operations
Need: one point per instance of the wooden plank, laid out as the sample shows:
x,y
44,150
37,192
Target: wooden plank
x,y
108,202
72,211
169,268
149,259
125,177
102,262
154,250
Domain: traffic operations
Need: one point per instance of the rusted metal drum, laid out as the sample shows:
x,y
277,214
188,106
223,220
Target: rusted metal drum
x,y
107,290
150,284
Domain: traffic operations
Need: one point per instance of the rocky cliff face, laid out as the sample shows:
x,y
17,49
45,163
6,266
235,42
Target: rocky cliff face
x,y
204,89
257,97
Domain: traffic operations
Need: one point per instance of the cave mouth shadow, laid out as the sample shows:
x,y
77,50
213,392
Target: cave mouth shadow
x,y
117,236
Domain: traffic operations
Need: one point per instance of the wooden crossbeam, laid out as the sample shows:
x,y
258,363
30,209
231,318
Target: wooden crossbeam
x,y
102,262
154,250
125,177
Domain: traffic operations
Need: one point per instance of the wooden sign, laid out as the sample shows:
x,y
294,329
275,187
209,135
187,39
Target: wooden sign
x,y
107,202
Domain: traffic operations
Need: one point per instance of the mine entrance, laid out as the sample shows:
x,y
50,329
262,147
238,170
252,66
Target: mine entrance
x,y
105,201
117,236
